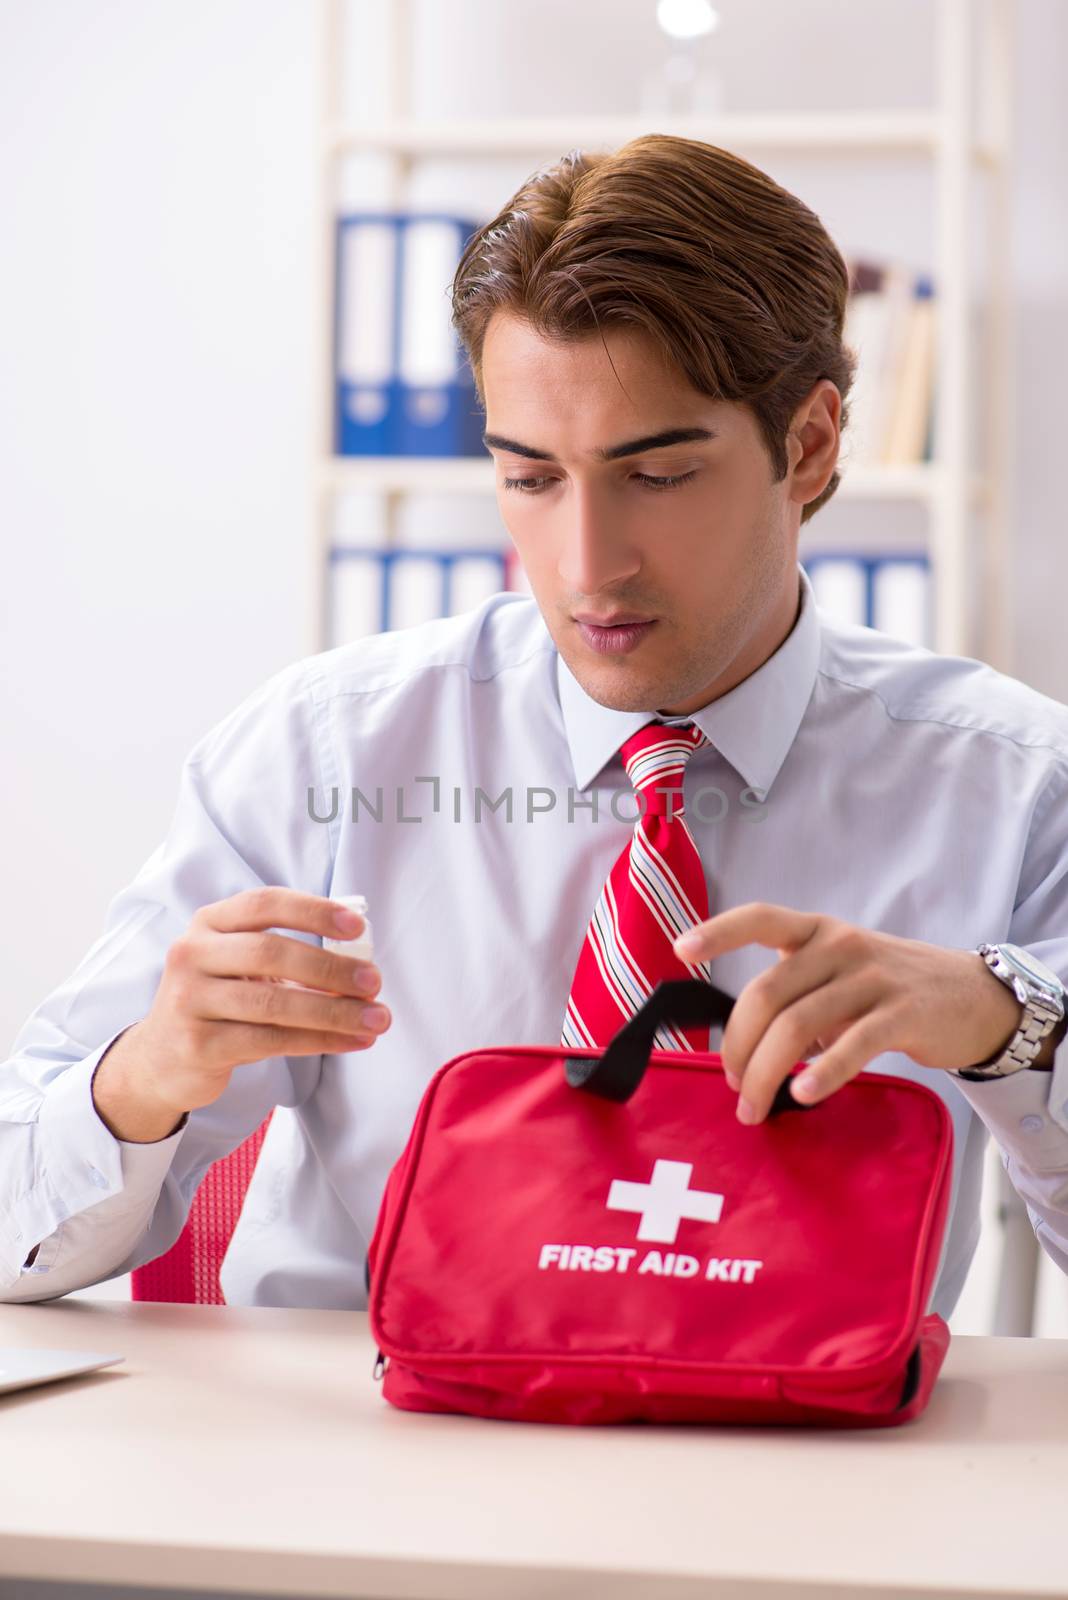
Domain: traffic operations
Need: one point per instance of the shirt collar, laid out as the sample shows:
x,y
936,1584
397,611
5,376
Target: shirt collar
x,y
753,725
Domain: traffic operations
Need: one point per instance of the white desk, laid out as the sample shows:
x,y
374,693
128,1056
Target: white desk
x,y
241,1449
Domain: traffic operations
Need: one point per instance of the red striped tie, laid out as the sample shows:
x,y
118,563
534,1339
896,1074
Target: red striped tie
x,y
655,890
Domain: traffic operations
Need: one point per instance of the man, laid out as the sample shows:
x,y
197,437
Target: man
x,y
656,338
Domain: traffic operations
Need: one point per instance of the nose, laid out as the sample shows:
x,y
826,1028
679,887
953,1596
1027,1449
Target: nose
x,y
595,551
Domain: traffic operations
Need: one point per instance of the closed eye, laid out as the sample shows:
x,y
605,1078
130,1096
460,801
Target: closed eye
x,y
536,485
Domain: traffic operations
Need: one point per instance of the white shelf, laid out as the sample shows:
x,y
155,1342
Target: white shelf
x,y
966,132
473,475
847,133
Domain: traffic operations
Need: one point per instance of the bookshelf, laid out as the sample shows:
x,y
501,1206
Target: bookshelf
x,y
964,136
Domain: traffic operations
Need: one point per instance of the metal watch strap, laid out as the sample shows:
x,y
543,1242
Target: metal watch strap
x,y
1025,1045
1038,1021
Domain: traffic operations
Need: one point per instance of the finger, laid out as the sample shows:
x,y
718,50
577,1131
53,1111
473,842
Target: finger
x,y
771,992
866,1039
274,955
276,907
257,1043
777,927
275,1005
840,1000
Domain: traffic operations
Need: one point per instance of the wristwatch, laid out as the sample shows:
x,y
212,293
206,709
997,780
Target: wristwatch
x,y
1042,996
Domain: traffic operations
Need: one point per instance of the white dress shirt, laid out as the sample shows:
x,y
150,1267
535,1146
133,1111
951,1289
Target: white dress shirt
x,y
919,794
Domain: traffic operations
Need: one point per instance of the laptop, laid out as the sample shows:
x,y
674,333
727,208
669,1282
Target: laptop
x,y
21,1369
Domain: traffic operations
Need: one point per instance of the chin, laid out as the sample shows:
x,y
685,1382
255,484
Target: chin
x,y
620,689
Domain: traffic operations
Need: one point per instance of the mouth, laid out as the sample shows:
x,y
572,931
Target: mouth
x,y
613,620
616,636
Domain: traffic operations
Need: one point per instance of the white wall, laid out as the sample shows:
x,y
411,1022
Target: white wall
x,y
156,319
155,386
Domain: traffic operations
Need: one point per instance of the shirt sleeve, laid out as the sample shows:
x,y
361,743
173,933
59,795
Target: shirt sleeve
x,y
1027,1112
96,1206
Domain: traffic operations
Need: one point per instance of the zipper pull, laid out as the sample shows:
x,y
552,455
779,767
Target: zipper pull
x,y
379,1368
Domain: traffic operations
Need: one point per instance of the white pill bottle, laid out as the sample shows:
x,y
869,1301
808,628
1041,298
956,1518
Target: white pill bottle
x,y
362,947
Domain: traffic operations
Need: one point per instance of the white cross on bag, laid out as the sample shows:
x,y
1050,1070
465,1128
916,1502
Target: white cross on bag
x,y
664,1201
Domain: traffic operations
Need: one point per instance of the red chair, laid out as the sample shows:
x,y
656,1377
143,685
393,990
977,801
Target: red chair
x,y
189,1272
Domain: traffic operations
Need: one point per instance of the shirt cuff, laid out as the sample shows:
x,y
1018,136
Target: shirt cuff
x,y
81,1162
1026,1112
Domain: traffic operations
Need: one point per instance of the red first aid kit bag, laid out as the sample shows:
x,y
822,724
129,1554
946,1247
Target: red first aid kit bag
x,y
586,1236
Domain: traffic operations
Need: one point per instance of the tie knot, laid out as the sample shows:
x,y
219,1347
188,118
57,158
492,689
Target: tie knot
x,y
655,760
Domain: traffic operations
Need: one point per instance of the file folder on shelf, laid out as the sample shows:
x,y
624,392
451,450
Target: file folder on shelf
x,y
374,590
891,325
890,592
403,384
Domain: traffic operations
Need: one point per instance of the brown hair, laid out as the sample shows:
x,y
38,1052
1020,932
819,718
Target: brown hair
x,y
735,278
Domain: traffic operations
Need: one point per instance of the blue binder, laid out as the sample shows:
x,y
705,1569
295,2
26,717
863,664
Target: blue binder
x,y
889,591
403,384
381,573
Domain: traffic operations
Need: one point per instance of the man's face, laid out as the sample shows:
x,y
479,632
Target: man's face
x,y
712,560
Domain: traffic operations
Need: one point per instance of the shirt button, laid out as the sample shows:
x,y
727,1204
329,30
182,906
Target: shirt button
x,y
98,1178
1032,1124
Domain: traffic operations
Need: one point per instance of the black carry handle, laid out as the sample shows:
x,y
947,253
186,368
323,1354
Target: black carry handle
x,y
617,1073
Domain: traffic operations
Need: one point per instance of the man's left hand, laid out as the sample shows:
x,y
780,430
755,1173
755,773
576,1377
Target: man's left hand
x,y
850,994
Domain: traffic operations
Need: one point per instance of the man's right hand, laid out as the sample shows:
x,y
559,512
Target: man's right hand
x,y
231,993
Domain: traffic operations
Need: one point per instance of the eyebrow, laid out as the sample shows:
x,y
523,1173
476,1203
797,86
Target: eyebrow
x,y
632,447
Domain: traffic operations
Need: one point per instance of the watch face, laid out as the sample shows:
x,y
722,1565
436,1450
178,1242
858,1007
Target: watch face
x,y
1031,967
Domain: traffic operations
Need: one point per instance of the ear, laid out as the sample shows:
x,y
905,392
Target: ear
x,y
813,441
